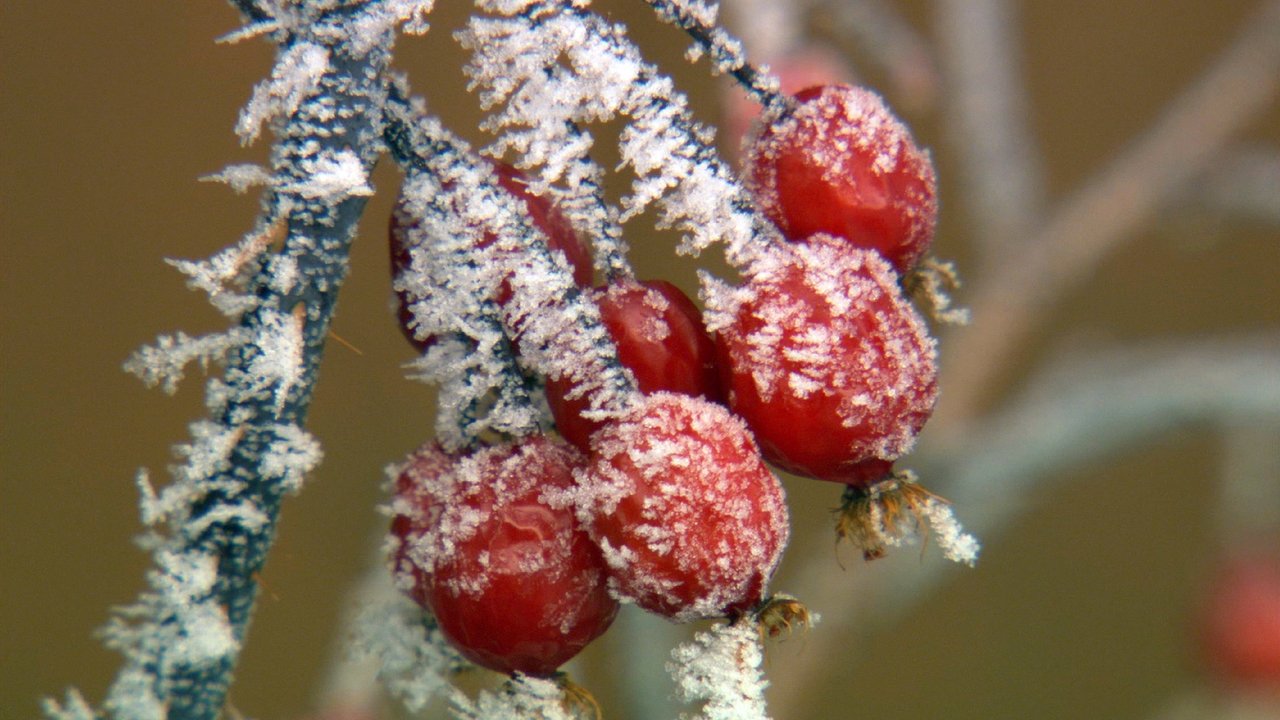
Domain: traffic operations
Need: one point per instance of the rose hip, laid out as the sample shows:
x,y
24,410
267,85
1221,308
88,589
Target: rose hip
x,y
841,163
515,583
660,338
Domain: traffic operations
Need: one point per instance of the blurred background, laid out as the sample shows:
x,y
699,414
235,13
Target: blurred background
x,y
1111,439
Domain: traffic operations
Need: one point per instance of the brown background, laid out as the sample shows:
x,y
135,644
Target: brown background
x,y
112,110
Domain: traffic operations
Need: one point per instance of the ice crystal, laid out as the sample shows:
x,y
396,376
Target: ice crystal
x,y
296,76
217,275
516,65
290,456
957,545
277,364
722,669
334,176
164,363
74,708
241,177
521,698
414,661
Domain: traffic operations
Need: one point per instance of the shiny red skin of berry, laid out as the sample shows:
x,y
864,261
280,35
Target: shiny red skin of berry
x,y
1241,625
843,164
842,375
691,521
544,214
514,582
660,338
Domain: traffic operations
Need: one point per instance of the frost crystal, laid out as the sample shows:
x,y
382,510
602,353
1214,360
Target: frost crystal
x,y
515,65
75,708
241,177
164,363
957,545
334,176
295,77
522,698
722,668
278,364
467,237
414,660
290,456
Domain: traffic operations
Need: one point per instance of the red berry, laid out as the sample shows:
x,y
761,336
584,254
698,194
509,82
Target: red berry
x,y
691,522
843,164
797,69
829,365
660,338
542,212
515,584
1241,634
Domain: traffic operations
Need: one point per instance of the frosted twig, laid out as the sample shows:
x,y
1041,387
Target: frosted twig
x,y
1198,702
1068,416
454,283
727,54
559,330
589,213
1003,177
721,668
213,525
603,76
1191,132
400,643
386,636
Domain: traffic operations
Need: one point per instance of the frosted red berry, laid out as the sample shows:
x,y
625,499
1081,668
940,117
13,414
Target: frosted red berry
x,y
660,338
842,163
690,520
1241,630
514,582
544,214
797,69
827,362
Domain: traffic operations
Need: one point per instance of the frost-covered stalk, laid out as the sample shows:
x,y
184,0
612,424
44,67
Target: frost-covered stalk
x,y
211,528
559,329
722,668
603,76
727,53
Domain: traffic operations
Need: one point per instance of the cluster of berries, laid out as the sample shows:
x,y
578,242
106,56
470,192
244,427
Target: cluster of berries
x,y
818,364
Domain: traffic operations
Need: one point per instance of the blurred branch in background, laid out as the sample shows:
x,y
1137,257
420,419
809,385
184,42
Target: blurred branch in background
x,y
1010,297
1075,414
993,459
